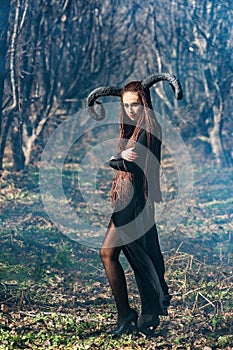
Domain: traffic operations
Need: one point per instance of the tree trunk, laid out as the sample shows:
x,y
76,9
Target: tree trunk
x,y
4,15
16,134
215,139
16,144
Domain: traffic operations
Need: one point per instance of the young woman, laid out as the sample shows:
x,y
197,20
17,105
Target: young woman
x,y
135,189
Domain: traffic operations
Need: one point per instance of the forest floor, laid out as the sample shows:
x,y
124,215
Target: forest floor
x,y
54,293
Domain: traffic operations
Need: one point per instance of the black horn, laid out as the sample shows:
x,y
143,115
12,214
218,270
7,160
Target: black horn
x,y
101,91
172,80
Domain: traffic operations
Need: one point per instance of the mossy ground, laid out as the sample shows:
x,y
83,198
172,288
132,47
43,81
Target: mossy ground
x,y
54,293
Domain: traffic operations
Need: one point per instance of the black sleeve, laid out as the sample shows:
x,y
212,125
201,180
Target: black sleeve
x,y
124,165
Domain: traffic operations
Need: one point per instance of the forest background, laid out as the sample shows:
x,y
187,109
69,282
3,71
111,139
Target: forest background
x,y
52,54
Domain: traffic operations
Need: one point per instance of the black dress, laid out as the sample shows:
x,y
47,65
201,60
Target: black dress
x,y
138,232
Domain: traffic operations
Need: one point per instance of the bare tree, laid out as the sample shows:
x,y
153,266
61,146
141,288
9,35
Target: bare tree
x,y
4,124
59,51
193,41
37,40
212,48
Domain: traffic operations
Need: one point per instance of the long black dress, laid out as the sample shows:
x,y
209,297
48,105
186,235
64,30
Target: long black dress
x,y
137,228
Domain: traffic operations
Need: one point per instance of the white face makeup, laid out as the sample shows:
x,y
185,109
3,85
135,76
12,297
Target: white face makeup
x,y
132,104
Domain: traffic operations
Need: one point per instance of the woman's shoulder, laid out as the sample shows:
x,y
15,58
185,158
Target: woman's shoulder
x,y
150,140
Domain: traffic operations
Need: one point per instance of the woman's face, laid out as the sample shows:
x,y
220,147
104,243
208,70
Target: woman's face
x,y
132,104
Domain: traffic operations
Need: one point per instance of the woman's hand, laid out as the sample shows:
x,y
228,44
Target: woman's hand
x,y
129,154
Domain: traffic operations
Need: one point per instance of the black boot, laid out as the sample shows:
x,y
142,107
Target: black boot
x,y
148,327
124,327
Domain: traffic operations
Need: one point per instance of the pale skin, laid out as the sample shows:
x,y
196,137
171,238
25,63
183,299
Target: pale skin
x,y
133,107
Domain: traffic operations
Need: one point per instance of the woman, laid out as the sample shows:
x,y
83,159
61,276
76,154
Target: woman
x,y
134,191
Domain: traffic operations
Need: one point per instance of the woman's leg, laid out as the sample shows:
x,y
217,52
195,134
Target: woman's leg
x,y
109,254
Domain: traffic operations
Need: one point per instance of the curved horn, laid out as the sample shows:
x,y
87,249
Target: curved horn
x,y
101,91
172,79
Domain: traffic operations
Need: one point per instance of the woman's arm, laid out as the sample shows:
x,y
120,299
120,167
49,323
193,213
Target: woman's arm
x,y
132,159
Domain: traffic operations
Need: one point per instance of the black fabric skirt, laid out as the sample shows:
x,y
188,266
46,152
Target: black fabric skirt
x,y
140,245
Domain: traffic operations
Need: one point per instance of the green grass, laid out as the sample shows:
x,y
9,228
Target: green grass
x,y
54,293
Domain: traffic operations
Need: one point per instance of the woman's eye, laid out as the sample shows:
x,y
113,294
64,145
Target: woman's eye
x,y
132,105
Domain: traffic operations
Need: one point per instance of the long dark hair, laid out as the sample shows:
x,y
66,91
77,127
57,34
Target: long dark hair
x,y
148,121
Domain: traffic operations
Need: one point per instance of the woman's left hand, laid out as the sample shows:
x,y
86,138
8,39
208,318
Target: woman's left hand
x,y
129,154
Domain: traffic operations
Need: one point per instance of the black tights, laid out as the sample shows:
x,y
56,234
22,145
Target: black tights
x,y
109,254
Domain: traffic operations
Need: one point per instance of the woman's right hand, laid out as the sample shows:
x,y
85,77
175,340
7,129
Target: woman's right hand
x,y
129,154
